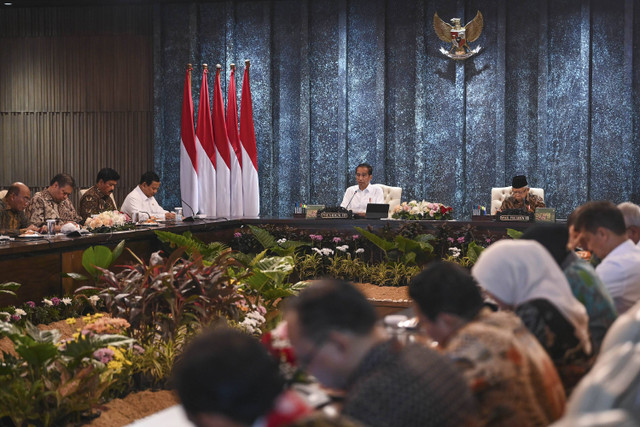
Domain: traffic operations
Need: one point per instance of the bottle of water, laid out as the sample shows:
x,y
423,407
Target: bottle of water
x,y
178,214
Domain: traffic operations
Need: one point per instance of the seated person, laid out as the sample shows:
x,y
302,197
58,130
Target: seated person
x,y
227,378
357,197
53,203
631,213
602,229
509,372
336,337
98,199
142,199
583,279
520,197
13,220
522,277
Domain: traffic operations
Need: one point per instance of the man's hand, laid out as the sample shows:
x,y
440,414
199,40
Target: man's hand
x,y
169,216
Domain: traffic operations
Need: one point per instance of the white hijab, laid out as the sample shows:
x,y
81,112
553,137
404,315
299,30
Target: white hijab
x,y
517,271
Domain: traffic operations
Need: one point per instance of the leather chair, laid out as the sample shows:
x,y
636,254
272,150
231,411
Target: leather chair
x,y
392,196
84,190
498,194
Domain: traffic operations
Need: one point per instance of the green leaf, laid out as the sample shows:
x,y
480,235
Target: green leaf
x,y
75,276
117,251
514,234
96,256
383,244
473,252
263,236
9,288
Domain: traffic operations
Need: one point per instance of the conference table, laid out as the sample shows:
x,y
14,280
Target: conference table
x,y
38,264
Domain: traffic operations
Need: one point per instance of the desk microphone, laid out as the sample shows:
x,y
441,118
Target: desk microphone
x,y
354,195
190,217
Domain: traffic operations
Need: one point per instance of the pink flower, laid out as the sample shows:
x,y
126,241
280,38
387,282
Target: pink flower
x,y
487,240
450,239
336,240
317,237
55,301
237,235
355,236
103,355
31,304
461,239
15,317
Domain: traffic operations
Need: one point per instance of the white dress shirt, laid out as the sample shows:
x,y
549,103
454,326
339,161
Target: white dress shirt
x,y
356,200
137,201
620,273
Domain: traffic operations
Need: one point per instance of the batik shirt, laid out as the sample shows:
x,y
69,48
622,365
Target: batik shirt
x,y
592,293
529,204
11,221
94,202
42,207
410,386
511,375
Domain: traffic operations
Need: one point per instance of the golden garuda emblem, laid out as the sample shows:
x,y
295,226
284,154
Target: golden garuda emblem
x,y
459,36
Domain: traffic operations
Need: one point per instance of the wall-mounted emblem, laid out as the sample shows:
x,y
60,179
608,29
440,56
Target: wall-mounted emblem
x,y
459,36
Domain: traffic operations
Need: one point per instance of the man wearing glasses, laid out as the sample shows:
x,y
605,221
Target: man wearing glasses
x,y
336,337
520,198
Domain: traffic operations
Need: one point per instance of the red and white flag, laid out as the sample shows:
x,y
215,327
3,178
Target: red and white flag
x,y
250,185
188,155
236,151
206,152
223,157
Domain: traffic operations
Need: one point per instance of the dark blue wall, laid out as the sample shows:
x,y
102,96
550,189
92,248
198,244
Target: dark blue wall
x,y
553,95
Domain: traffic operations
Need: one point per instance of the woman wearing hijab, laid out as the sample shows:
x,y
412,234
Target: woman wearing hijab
x,y
522,276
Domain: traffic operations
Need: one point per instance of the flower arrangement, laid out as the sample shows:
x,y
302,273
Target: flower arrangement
x,y
108,221
422,210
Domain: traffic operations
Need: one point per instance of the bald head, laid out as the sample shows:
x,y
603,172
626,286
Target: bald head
x,y
18,195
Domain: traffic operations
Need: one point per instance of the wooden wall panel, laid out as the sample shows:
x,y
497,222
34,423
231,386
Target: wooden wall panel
x,y
76,88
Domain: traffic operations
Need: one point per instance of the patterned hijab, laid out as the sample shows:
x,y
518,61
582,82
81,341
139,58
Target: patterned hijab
x,y
517,271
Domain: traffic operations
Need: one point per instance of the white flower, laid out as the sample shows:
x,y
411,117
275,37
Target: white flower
x,y
281,241
359,250
47,301
94,299
455,252
326,251
66,301
317,250
20,312
342,248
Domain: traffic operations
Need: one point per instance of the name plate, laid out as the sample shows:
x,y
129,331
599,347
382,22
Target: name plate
x,y
333,215
514,217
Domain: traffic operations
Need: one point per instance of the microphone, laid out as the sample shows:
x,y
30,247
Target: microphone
x,y
354,195
189,218
136,216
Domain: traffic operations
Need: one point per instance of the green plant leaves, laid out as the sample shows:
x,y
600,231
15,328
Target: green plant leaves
x,y
514,234
9,288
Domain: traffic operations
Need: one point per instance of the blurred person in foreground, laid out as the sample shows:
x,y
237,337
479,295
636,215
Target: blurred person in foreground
x,y
583,279
631,213
13,220
522,276
602,228
336,337
226,378
511,375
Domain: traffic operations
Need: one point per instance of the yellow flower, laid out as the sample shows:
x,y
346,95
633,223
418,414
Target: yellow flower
x,y
75,335
115,366
98,315
71,321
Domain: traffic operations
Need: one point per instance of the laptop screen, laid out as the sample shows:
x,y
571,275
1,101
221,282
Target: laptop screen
x,y
377,210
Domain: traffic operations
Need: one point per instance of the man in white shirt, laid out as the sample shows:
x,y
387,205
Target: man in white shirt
x,y
357,197
602,228
631,213
142,200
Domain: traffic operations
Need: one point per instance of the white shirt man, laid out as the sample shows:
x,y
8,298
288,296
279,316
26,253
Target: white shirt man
x,y
357,197
602,229
142,199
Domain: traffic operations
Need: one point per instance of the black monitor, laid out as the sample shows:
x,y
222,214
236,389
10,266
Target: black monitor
x,y
377,210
